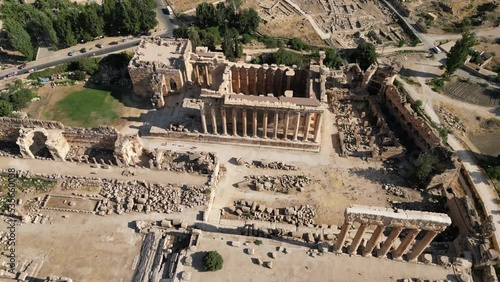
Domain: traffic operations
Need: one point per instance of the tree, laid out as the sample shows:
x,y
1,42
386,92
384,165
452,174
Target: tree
x,y
284,57
213,261
205,12
19,38
5,108
181,32
21,98
365,55
458,53
80,75
248,21
297,44
332,59
231,46
425,164
64,29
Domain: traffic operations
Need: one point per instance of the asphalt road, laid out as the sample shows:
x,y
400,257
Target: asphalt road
x,y
166,26
78,55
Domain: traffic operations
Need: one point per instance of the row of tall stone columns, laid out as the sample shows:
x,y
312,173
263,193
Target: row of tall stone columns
x,y
303,123
265,79
374,240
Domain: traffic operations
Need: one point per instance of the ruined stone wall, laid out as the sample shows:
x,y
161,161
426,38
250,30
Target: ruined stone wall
x,y
102,137
419,131
9,127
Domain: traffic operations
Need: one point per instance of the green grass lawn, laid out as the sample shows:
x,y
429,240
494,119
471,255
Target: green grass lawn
x,y
86,108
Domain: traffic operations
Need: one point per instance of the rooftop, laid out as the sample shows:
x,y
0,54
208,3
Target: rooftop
x,y
165,52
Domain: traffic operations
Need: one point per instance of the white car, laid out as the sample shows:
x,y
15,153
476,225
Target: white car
x,y
437,50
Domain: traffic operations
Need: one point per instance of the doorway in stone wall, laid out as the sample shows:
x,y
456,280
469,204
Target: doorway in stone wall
x,y
39,147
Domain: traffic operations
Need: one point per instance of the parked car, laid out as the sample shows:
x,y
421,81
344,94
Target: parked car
x,y
22,66
71,53
114,43
83,50
99,45
12,74
31,70
437,50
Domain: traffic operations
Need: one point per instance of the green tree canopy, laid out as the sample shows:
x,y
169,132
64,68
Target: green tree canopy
x,y
5,108
458,53
205,12
213,261
297,44
425,164
365,55
332,59
248,21
19,38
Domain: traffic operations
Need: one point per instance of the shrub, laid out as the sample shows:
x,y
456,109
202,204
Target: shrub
x,y
246,38
213,261
297,44
21,98
48,72
257,242
80,75
5,108
270,42
425,164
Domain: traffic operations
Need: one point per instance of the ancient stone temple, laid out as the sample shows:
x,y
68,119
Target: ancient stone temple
x,y
235,102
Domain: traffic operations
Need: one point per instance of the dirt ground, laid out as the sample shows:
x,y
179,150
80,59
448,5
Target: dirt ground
x,y
494,65
50,96
461,9
240,266
331,191
281,25
180,6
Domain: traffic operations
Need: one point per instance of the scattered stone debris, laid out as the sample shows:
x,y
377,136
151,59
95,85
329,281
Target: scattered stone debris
x,y
274,165
298,215
190,162
395,191
282,183
450,120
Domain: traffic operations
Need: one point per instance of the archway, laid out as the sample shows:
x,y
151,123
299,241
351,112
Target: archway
x,y
173,85
39,146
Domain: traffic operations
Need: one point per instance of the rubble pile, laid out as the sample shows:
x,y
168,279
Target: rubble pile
x,y
354,132
76,184
282,183
141,196
201,162
451,120
298,215
274,165
395,191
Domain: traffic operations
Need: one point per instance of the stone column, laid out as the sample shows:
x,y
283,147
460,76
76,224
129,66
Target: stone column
x,y
307,126
264,124
342,236
207,76
317,127
214,119
224,120
367,251
285,126
244,115
297,127
389,241
235,122
357,239
276,123
254,123
422,245
404,246
203,120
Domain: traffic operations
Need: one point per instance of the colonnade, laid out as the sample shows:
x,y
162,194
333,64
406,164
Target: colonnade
x,y
414,222
250,80
262,123
406,243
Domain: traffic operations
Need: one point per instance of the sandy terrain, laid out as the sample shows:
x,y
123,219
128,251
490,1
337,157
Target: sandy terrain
x,y
306,268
